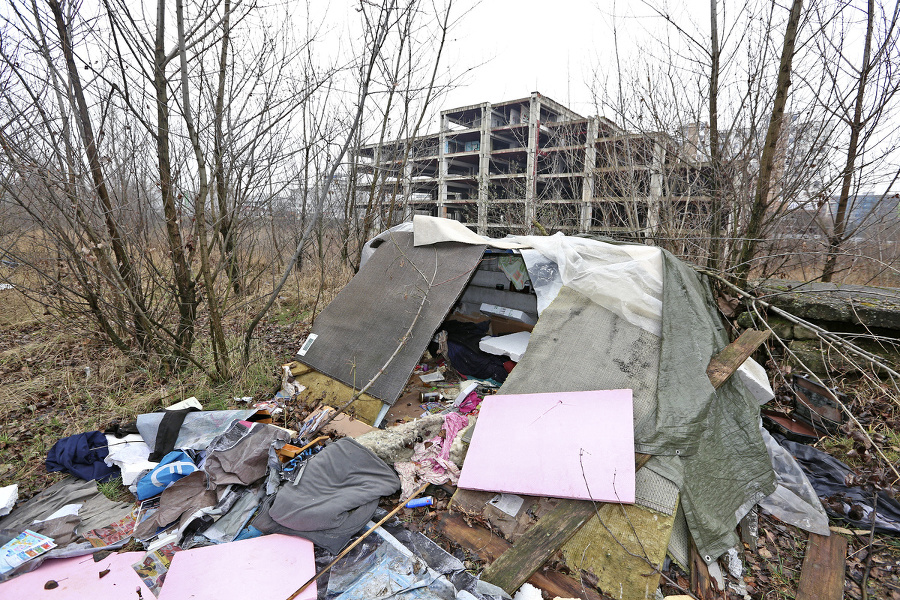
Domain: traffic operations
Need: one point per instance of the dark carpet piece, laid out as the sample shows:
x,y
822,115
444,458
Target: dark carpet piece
x,y
367,321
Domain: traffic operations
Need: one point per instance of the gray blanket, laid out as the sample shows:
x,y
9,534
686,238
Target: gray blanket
x,y
336,496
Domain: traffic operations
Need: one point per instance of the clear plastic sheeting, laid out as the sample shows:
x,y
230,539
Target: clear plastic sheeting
x,y
544,275
381,568
198,430
626,279
794,500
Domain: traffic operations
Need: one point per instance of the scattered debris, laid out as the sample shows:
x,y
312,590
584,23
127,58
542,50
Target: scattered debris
x,y
528,416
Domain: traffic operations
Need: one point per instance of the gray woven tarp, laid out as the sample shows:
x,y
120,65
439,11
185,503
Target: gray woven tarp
x,y
707,441
363,326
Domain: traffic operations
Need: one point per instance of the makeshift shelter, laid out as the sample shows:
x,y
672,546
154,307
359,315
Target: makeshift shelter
x,y
608,316
612,440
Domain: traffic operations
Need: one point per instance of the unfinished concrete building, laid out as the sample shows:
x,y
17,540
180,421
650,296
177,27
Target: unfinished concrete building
x,y
500,168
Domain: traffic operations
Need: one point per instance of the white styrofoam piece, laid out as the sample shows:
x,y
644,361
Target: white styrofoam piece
x,y
8,496
432,377
464,393
528,592
754,377
512,345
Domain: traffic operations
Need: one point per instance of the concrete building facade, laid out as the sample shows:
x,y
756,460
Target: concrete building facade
x,y
500,168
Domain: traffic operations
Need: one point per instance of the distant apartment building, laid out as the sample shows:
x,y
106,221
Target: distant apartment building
x,y
500,168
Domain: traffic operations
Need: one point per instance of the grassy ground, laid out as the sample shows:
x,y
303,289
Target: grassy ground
x,y
56,379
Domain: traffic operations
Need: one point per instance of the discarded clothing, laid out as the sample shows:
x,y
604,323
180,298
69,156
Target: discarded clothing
x,y
828,475
199,428
178,502
335,497
240,455
468,359
167,432
470,403
171,468
81,455
96,509
431,459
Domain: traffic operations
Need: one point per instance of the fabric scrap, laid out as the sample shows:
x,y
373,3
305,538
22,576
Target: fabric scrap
x,y
335,497
243,460
431,459
81,455
178,502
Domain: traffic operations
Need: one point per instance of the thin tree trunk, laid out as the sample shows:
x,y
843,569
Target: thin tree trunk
x,y
715,159
760,206
836,239
123,263
219,348
184,284
226,215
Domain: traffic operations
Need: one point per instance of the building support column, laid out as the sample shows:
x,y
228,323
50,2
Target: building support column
x,y
656,189
484,168
442,168
590,164
534,128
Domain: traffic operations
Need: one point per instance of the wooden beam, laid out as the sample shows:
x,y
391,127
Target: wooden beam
x,y
553,530
725,363
702,584
488,547
822,577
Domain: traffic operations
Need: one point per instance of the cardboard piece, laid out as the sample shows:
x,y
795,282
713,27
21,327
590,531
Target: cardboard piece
x,y
79,578
512,345
238,569
577,445
342,424
503,326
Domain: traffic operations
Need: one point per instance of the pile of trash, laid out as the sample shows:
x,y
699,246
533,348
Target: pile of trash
x,y
578,401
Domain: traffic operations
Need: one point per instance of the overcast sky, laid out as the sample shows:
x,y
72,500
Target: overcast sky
x,y
530,45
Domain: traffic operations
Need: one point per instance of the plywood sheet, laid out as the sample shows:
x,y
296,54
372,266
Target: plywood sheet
x,y
577,445
79,578
271,566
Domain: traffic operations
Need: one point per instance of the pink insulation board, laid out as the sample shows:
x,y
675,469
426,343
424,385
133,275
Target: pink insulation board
x,y
577,445
79,578
272,566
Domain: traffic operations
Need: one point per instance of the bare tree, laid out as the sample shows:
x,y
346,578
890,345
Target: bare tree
x,y
762,198
861,109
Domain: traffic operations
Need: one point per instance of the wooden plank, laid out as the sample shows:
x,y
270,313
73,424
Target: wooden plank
x,y
822,577
702,584
554,529
725,363
488,546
